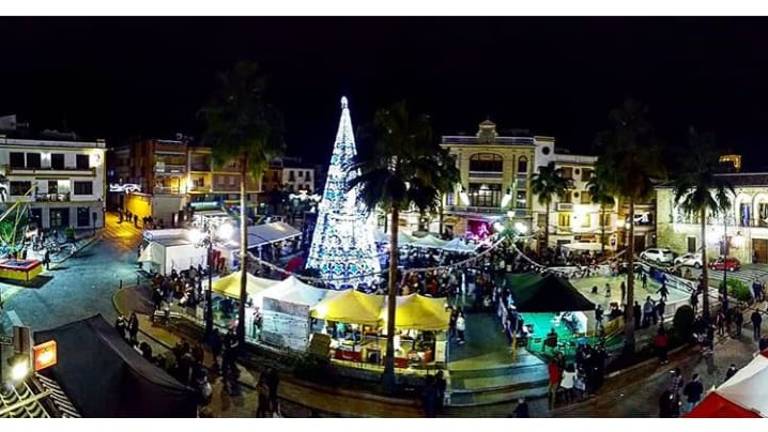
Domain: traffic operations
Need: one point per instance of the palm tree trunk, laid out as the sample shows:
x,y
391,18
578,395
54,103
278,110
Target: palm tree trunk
x,y
389,357
440,215
602,229
546,229
629,325
704,268
243,254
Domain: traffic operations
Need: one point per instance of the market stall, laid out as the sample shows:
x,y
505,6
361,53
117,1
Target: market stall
x,y
20,270
164,254
460,246
555,314
422,323
225,303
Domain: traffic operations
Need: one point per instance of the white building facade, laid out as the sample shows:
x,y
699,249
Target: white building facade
x,y
63,182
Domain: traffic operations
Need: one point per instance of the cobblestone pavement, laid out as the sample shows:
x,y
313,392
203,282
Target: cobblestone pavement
x,y
83,285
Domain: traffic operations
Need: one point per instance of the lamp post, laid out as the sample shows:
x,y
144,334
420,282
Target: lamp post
x,y
206,239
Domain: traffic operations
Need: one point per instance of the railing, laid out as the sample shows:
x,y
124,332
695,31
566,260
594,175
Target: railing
x,y
564,206
170,169
53,197
206,167
200,188
51,170
474,209
497,140
166,190
485,174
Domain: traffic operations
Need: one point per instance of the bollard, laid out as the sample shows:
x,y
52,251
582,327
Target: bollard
x,y
121,284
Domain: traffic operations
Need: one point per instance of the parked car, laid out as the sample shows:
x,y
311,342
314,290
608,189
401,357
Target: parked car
x,y
690,260
729,264
659,255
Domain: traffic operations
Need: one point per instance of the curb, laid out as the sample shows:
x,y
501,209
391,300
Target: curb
x,y
89,242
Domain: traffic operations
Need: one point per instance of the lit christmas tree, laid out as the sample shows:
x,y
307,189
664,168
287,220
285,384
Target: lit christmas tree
x,y
343,248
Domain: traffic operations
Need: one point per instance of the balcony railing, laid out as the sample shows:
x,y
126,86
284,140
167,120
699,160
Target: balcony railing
x,y
485,174
564,206
166,190
200,189
475,209
52,197
200,167
52,171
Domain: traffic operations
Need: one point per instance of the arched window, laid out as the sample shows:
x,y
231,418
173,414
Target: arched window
x,y
486,162
522,165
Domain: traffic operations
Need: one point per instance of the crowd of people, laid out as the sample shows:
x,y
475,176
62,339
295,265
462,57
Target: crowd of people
x,y
573,381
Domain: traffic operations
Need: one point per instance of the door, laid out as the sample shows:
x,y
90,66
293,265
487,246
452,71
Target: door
x,y
639,243
692,244
760,251
59,217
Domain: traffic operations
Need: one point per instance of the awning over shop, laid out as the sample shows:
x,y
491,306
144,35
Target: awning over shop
x,y
350,306
273,232
230,285
418,312
549,294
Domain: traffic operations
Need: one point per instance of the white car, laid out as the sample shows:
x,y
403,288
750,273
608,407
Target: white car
x,y
689,259
658,255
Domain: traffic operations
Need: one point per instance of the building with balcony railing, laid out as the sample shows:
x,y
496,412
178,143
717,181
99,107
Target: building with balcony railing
x,y
495,177
62,179
745,224
573,217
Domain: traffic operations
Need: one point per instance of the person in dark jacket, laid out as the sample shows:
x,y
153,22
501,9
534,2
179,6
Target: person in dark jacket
x,y
665,404
429,397
521,410
638,314
730,372
215,344
692,392
133,328
738,320
757,321
441,385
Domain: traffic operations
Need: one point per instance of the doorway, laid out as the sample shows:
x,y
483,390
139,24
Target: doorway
x,y
760,251
691,244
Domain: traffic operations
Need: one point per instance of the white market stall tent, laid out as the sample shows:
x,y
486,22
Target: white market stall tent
x,y
165,253
459,245
429,241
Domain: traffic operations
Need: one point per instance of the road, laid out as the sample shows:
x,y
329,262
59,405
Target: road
x,y
84,284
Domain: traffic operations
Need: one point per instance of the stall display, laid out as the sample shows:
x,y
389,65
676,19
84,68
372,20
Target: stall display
x,y
21,270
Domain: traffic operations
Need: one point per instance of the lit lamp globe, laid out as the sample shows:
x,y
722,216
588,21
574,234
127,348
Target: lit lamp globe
x,y
225,231
195,235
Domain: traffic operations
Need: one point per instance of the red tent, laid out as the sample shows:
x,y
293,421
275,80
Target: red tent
x,y
294,264
716,406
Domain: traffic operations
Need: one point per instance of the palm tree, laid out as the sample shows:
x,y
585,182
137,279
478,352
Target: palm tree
x,y
547,184
241,126
405,168
698,190
629,162
599,194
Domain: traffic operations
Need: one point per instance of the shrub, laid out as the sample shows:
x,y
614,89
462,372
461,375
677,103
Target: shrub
x,y
682,323
69,233
738,289
315,368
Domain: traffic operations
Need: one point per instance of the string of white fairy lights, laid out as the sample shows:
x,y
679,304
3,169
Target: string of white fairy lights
x,y
310,279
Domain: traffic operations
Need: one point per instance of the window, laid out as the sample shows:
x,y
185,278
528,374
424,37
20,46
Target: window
x,y
58,217
83,219
605,219
33,160
19,188
522,165
564,219
487,162
221,180
82,162
53,187
545,150
308,175
301,174
586,197
566,197
291,177
231,180
586,221
485,195
17,160
520,200
586,174
57,161
83,188
566,172
449,199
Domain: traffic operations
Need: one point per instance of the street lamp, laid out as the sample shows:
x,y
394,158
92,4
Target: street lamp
x,y
203,239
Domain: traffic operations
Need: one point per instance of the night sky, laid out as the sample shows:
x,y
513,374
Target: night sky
x,y
121,77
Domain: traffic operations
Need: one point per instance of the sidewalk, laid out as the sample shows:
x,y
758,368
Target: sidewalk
x,y
304,399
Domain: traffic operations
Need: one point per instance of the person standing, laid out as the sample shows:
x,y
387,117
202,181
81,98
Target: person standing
x,y
645,280
47,259
607,290
637,314
623,292
694,301
661,343
133,328
730,372
555,374
598,318
648,312
738,321
521,410
663,291
757,321
441,386
273,380
461,326
692,392
720,322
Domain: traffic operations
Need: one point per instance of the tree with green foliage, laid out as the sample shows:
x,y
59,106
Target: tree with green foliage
x,y
699,191
242,127
600,194
405,168
628,166
546,185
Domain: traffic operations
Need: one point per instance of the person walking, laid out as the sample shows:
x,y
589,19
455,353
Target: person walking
x,y
133,328
694,300
645,280
461,327
738,321
214,342
555,375
663,291
661,343
720,322
692,392
648,312
607,290
757,321
730,372
120,326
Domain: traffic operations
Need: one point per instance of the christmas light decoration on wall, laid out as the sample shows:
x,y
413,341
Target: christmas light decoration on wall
x,y
343,245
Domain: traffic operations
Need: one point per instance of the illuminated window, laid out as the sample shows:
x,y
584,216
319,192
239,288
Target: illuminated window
x,y
586,221
605,219
487,162
522,165
564,219
485,195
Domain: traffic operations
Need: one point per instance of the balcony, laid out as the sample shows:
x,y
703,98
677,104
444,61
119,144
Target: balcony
x,y
166,190
202,167
52,197
74,171
200,189
476,210
561,206
485,175
170,169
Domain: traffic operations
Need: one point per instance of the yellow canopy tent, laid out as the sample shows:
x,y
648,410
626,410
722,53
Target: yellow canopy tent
x,y
230,285
350,306
419,313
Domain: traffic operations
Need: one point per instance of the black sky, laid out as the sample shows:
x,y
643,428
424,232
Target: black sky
x,y
118,77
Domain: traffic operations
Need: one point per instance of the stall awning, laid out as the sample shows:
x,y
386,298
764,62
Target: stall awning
x,y
583,246
292,290
743,395
458,245
549,294
260,235
418,312
403,239
350,306
429,241
230,285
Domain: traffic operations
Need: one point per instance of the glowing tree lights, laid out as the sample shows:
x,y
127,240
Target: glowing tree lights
x,y
343,248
